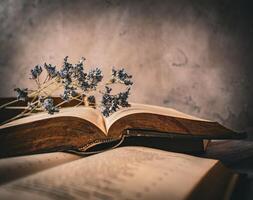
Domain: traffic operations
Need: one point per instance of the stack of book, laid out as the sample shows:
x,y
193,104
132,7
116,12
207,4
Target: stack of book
x,y
139,168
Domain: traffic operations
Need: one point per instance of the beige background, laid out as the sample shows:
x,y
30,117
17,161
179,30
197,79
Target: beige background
x,y
194,56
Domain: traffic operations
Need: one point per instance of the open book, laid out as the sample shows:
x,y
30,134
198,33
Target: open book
x,y
84,129
122,173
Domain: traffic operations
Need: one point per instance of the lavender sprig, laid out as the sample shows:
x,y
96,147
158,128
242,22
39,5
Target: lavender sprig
x,y
120,76
75,83
36,71
22,94
48,105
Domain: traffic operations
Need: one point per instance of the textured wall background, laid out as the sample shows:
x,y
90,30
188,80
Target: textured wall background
x,y
195,56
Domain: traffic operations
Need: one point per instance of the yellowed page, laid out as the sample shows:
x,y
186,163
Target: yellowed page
x,y
92,115
16,167
123,173
144,108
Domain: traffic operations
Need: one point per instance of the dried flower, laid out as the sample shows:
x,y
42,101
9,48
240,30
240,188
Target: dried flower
x,y
111,103
123,98
22,94
68,93
91,100
48,105
76,83
95,76
121,76
36,71
51,70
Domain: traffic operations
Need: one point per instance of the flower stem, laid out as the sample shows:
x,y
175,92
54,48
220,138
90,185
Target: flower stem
x,y
9,103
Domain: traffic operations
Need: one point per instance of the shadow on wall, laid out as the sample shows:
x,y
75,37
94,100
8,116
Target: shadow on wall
x,y
190,55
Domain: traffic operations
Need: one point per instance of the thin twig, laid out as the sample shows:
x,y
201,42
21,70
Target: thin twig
x,y
78,104
46,79
65,101
22,114
9,103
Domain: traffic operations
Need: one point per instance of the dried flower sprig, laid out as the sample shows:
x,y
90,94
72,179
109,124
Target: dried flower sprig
x,y
48,105
75,84
120,76
22,94
111,103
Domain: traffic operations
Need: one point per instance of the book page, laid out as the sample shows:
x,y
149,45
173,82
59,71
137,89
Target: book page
x,y
16,167
122,173
144,108
90,114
